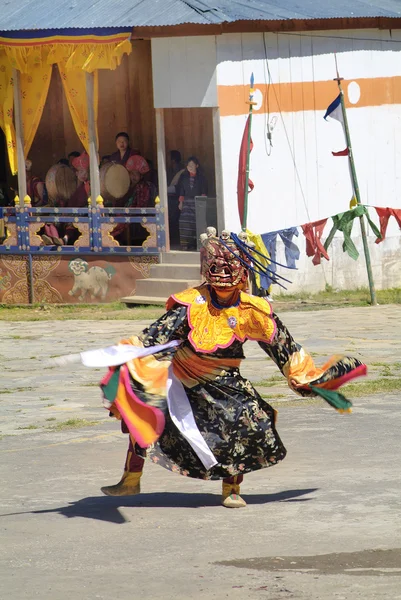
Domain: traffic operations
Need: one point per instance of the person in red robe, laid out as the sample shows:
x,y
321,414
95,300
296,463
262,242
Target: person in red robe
x,y
142,195
124,150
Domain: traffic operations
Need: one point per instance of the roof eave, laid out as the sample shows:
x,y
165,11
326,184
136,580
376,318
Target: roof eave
x,y
275,26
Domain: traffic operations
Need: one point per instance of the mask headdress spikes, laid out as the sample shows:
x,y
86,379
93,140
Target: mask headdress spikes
x,y
223,264
251,253
226,261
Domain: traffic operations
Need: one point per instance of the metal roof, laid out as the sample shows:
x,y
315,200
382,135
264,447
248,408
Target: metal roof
x,y
17,15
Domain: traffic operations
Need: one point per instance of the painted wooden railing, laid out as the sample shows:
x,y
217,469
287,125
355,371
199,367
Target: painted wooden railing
x,y
23,227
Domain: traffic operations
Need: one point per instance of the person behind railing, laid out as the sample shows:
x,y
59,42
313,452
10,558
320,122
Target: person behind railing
x,y
124,150
143,192
68,234
105,159
192,183
35,187
79,198
142,195
174,172
71,156
152,175
4,202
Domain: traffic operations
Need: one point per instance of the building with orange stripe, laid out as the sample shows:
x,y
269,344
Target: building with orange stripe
x,y
186,85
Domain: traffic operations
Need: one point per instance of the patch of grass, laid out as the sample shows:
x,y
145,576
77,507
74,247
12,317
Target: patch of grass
x,y
299,403
19,389
49,405
274,379
273,396
44,398
85,312
90,384
72,424
329,298
29,427
371,387
388,369
51,419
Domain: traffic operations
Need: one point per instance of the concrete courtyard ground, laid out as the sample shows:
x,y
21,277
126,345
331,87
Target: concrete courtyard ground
x,y
323,524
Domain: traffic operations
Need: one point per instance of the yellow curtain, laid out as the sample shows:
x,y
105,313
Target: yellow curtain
x,y
79,54
34,59
34,89
74,84
6,109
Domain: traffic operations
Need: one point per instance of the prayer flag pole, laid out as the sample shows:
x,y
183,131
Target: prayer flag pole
x,y
248,153
356,190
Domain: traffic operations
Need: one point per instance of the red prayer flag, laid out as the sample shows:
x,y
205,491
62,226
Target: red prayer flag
x,y
341,153
242,172
314,247
384,215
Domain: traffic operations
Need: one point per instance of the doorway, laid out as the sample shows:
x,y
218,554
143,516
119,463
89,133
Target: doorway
x,y
190,132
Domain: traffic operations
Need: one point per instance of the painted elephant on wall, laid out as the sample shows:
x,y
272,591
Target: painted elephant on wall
x,y
94,280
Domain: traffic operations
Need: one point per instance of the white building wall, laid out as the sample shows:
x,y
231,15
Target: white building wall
x,y
298,180
184,72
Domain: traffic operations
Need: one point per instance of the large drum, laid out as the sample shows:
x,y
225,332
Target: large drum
x,y
114,182
61,183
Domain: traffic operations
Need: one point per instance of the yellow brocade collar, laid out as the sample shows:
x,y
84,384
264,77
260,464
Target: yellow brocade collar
x,y
214,327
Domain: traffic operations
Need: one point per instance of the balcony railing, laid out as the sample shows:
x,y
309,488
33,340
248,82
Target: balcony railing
x,y
95,229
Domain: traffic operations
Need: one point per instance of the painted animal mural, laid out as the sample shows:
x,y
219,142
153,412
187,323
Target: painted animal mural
x,y
94,280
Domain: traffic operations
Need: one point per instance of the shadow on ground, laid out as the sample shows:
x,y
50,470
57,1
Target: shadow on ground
x,y
104,508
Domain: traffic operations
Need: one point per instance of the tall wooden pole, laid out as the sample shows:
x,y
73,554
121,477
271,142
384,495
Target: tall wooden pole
x,y
19,132
162,170
92,133
357,193
248,155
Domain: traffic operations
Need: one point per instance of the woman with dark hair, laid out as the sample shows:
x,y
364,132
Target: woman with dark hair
x,y
192,183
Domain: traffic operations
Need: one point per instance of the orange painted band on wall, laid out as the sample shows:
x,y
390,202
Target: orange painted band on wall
x,y
309,95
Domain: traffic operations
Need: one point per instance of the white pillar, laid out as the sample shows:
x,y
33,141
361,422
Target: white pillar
x,y
218,168
19,132
162,170
93,148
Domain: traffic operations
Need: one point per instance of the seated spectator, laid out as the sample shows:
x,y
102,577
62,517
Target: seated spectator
x,y
79,198
143,194
73,155
124,150
35,188
105,159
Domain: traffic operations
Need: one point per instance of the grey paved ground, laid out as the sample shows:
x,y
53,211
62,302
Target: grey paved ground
x,y
323,524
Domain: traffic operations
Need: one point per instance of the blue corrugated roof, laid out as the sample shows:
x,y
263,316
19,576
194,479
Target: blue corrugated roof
x,y
17,15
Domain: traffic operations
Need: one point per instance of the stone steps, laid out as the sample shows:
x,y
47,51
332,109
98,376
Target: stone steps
x,y
177,271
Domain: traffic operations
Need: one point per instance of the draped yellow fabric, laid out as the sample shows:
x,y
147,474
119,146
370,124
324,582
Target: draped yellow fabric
x,y
6,109
74,84
80,53
34,88
34,58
